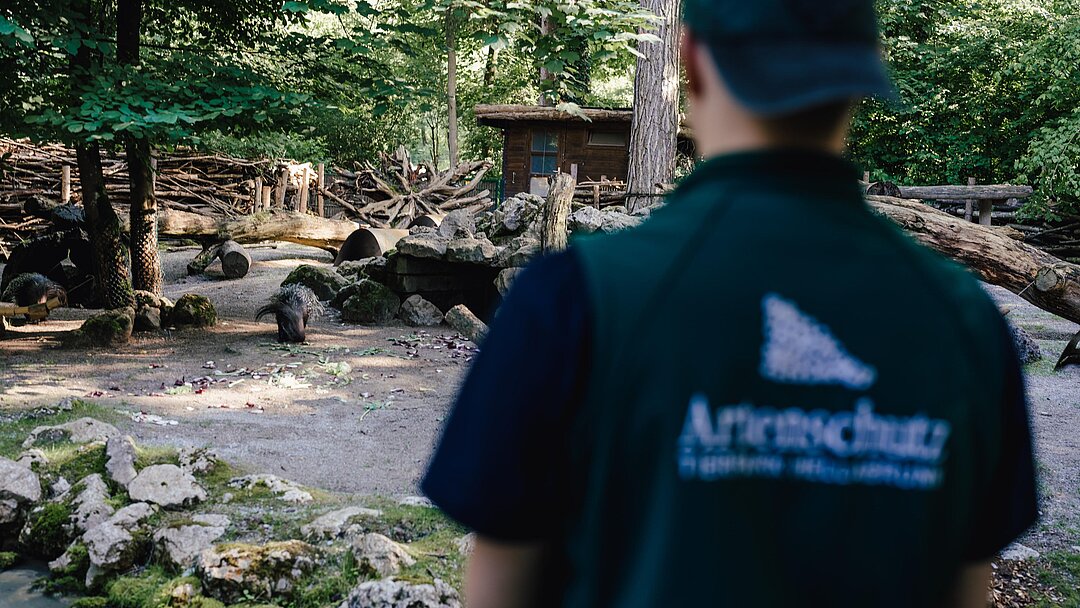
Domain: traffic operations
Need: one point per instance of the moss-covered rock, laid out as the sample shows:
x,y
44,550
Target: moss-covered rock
x,y
109,328
325,282
192,310
231,572
367,268
46,533
371,303
8,559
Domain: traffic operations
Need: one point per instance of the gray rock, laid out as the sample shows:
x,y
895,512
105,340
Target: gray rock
x,y
31,457
152,300
336,524
418,312
90,506
1026,346
517,213
148,319
233,572
466,323
380,554
198,461
506,279
418,229
111,545
167,485
389,593
192,310
431,246
59,487
586,220
83,430
471,250
1018,553
518,252
120,465
182,545
458,224
621,209
18,483
285,489
417,501
617,222
324,282
466,544
372,303
367,268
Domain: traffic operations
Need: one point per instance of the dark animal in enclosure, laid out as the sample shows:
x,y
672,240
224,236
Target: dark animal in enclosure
x,y
1071,354
292,306
33,288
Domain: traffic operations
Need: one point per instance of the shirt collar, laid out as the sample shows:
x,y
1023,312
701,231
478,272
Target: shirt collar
x,y
829,173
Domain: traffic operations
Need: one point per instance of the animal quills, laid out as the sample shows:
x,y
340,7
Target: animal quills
x,y
292,307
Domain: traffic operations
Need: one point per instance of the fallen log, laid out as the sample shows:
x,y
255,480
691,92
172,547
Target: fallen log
x,y
278,226
994,253
992,192
235,262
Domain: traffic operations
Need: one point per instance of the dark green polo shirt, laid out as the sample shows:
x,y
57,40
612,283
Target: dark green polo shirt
x,y
763,396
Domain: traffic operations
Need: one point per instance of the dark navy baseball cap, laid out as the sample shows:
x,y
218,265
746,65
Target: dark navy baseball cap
x,y
781,56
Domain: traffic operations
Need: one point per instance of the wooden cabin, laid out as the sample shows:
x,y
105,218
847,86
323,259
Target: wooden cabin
x,y
540,141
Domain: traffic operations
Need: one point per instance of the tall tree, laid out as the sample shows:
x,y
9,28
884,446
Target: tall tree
x,y
145,264
451,86
654,129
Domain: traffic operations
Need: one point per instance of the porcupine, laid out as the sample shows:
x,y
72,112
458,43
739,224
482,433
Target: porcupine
x,y
292,306
32,288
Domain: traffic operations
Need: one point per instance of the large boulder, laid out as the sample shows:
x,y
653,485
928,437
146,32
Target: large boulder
x,y
83,430
516,214
232,572
285,489
372,303
19,488
506,279
460,223
471,250
431,246
367,268
113,546
466,323
617,222
586,220
182,545
336,524
324,282
380,555
109,328
166,485
90,506
518,252
418,312
120,452
193,310
389,593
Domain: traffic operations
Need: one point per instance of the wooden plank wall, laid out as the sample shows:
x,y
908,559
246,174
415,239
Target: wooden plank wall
x,y
593,162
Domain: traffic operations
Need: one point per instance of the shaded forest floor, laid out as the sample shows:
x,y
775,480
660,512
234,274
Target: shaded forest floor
x,y
357,410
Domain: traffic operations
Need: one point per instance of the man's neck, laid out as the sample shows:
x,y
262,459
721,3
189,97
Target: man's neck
x,y
722,130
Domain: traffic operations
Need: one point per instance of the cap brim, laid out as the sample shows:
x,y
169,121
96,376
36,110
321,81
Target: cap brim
x,y
776,77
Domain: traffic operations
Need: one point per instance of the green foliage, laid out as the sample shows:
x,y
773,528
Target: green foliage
x,y
987,90
8,559
142,591
91,602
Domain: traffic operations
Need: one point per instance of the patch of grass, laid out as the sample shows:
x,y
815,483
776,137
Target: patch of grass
x,y
148,456
91,602
14,432
140,591
1061,572
329,584
407,524
74,462
437,556
8,559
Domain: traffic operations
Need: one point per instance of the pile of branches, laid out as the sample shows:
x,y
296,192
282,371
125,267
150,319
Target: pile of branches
x,y
1061,239
397,190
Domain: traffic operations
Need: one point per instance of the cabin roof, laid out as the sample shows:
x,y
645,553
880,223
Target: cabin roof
x,y
509,115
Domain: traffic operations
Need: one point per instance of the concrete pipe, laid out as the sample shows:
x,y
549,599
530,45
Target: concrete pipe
x,y
431,220
368,243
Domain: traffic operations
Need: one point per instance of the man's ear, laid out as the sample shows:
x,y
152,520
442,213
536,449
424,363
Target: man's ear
x,y
691,62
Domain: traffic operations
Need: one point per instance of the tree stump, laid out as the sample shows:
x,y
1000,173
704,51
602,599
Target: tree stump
x,y
235,261
554,237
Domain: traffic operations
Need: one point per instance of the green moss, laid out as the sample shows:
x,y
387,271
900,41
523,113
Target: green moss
x,y
12,434
149,456
193,310
140,591
108,328
74,462
329,584
8,559
1059,571
71,579
46,536
91,602
324,282
371,303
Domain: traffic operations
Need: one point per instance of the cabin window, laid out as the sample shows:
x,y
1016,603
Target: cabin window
x,y
544,156
613,139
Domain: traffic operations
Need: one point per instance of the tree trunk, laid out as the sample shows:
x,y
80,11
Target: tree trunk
x,y
546,76
655,126
451,88
145,264
103,225
554,237
992,253
280,226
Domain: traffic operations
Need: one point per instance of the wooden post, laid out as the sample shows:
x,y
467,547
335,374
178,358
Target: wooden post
x,y
866,176
554,237
65,184
305,178
319,186
969,203
256,206
282,185
986,207
266,190
573,171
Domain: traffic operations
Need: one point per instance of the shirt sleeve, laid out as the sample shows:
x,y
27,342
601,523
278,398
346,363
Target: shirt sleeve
x,y
1010,505
501,461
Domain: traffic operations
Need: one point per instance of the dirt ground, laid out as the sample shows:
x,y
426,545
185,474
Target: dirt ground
x,y
358,409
